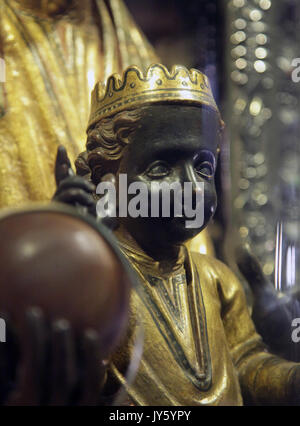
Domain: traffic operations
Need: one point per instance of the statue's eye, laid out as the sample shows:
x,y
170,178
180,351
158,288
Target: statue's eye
x,y
205,169
158,170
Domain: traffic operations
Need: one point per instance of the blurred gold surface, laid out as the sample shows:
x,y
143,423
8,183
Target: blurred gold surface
x,y
54,53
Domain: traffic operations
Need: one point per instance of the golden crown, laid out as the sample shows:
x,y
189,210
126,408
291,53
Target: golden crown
x,y
156,85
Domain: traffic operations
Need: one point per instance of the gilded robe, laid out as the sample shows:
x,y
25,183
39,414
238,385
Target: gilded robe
x,y
200,344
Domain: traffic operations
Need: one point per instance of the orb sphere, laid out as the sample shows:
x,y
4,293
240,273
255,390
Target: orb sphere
x,y
66,265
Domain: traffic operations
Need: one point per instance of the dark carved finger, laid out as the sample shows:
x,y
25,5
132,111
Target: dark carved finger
x,y
92,209
31,372
75,196
94,369
76,182
63,167
63,363
8,357
79,199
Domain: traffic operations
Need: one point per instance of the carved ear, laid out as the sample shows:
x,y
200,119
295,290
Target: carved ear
x,y
81,164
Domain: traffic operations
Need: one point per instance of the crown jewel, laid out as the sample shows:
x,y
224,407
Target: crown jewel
x,y
156,85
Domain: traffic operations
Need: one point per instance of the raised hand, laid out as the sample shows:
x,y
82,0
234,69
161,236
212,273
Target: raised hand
x,y
273,312
53,367
71,189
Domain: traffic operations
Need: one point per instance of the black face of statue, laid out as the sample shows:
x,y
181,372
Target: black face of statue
x,y
172,143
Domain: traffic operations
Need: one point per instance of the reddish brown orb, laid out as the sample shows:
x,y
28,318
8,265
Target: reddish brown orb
x,y
61,263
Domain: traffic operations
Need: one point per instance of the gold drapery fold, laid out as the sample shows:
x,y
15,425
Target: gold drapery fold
x,y
52,64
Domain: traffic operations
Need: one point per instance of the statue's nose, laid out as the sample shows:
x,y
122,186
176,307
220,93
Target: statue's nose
x,y
191,176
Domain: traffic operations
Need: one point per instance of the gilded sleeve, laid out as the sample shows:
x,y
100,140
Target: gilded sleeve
x,y
264,378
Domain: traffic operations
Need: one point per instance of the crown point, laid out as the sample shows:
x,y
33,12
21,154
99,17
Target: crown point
x,y
157,84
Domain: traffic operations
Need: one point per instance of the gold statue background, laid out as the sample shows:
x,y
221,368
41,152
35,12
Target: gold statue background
x,y
54,52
